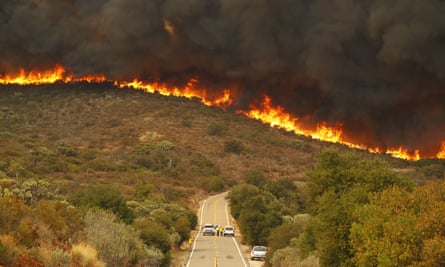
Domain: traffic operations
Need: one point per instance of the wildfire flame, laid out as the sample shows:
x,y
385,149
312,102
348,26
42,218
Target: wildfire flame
x,y
34,77
266,112
56,74
189,91
441,153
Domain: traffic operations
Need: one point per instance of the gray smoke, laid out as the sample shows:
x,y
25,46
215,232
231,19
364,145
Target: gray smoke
x,y
377,66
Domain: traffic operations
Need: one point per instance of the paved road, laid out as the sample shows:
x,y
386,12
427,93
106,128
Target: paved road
x,y
214,251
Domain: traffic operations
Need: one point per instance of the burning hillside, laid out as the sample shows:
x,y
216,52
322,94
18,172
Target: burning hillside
x,y
368,74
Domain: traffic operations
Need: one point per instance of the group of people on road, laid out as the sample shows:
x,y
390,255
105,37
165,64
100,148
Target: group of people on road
x,y
219,230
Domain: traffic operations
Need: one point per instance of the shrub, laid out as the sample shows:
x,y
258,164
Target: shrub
x,y
8,250
107,198
183,226
154,155
101,164
12,211
255,178
66,149
291,257
117,244
86,256
281,236
154,234
63,220
200,165
217,184
30,191
234,146
216,128
55,257
298,144
26,232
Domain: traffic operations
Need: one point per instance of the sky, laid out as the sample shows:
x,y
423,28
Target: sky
x,y
375,66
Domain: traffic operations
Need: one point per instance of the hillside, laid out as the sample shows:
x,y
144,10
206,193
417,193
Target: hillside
x,y
111,122
114,121
154,156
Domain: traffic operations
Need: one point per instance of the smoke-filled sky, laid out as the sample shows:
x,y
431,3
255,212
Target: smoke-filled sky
x,y
376,66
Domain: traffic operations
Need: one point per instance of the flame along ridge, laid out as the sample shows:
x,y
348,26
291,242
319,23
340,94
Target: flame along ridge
x,y
267,113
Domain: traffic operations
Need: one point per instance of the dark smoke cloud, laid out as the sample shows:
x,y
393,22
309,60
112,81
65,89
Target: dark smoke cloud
x,y
377,66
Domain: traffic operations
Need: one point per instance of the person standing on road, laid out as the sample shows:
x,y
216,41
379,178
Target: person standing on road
x,y
190,243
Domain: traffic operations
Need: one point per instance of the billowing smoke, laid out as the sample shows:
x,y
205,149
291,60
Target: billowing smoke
x,y
376,66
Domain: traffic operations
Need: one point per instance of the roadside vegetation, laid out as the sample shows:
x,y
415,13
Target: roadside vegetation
x,y
359,212
92,175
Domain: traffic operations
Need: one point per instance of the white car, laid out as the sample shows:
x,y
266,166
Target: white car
x,y
258,253
208,229
229,231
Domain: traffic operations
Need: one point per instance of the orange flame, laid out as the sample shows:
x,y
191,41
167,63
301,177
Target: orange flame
x,y
441,153
56,74
275,116
34,77
189,91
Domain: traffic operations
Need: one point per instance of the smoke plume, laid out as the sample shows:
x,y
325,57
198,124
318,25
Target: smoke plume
x,y
376,66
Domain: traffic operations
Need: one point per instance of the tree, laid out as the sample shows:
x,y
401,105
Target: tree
x,y
338,184
241,195
385,233
401,228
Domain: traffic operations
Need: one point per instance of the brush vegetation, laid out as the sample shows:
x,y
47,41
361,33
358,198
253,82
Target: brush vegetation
x,y
92,175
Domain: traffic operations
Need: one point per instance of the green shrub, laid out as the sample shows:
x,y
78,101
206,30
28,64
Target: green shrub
x,y
202,166
12,212
8,251
156,235
216,128
117,244
31,191
298,144
184,224
26,232
107,198
66,149
143,191
154,155
281,236
234,146
63,220
255,178
57,257
101,164
217,184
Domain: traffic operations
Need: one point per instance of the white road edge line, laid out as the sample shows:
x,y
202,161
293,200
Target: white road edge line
x,y
233,238
201,211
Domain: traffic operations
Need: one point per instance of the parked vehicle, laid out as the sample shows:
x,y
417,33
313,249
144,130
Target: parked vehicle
x,y
208,229
258,253
229,231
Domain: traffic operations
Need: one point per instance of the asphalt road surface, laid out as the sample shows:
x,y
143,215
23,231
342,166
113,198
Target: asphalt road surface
x,y
216,251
